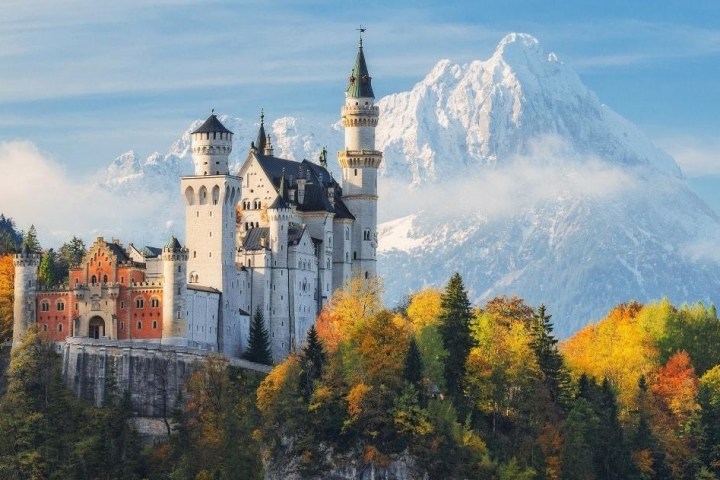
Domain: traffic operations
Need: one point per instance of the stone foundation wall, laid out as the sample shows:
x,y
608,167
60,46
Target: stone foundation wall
x,y
154,374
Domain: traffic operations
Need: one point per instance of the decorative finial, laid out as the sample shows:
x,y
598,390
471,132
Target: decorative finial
x,y
361,30
262,116
212,111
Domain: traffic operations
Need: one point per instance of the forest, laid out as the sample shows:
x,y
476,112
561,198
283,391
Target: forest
x,y
454,389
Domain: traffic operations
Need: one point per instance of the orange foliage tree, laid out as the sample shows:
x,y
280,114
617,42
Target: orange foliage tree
x,y
7,288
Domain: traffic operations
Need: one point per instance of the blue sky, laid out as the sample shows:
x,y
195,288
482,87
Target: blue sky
x,y
85,81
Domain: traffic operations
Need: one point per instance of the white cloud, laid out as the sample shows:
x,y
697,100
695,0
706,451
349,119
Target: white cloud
x,y
35,189
696,156
550,172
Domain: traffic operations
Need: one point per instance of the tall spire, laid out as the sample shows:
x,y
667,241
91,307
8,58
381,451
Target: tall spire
x,y
360,85
262,137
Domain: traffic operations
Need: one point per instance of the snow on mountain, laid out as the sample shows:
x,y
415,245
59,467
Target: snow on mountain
x,y
514,174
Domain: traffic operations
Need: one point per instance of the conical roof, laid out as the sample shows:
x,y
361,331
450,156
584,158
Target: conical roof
x,y
212,125
261,140
173,244
360,85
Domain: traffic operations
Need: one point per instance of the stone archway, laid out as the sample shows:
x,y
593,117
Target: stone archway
x,y
96,328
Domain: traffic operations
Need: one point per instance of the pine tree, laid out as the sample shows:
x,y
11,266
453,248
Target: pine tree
x,y
69,255
413,370
46,274
454,327
10,238
30,241
258,350
544,344
312,362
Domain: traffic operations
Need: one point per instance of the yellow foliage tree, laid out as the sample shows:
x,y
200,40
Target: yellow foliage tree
x,y
617,348
349,310
424,308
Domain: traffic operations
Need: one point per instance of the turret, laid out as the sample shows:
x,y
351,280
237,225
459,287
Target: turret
x,y
211,146
279,214
26,280
360,162
174,258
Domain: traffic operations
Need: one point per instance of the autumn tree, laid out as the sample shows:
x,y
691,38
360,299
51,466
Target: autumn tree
x,y
7,296
258,350
454,327
424,308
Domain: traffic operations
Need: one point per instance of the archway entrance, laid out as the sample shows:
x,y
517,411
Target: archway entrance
x,y
96,328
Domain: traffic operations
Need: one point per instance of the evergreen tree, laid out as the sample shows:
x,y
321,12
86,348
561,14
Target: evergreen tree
x,y
10,238
544,344
454,327
30,241
46,273
68,256
258,350
312,362
413,369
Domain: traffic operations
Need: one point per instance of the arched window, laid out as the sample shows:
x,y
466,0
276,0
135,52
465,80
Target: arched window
x,y
45,306
139,325
154,324
154,303
60,305
93,280
347,233
139,303
354,255
60,327
105,279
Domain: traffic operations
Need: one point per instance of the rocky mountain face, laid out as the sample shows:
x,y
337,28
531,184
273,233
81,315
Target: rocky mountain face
x,y
513,173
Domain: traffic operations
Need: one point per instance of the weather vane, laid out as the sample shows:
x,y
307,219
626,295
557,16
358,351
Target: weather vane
x,y
361,30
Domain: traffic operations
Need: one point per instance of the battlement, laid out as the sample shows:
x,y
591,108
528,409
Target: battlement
x,y
27,259
359,158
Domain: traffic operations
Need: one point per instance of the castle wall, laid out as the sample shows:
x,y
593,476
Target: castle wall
x,y
152,373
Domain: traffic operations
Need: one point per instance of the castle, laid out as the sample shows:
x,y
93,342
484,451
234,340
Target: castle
x,y
279,237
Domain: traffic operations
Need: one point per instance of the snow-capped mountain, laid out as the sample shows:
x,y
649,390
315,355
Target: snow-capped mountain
x,y
514,174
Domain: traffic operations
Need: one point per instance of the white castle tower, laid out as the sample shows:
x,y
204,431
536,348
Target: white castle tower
x,y
211,196
26,279
360,162
174,258
280,328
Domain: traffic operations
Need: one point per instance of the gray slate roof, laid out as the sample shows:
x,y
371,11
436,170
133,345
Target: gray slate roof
x,y
253,238
212,125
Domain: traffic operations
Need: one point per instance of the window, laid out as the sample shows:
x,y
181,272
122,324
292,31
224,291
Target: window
x,y
154,303
354,255
154,324
44,327
60,327
45,307
122,305
122,325
179,268
366,234
139,325
93,280
139,303
105,279
60,306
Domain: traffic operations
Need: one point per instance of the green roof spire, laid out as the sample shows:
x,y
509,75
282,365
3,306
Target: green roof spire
x,y
261,138
360,85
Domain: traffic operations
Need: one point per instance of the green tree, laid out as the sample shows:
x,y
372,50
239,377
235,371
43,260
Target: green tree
x,y
30,241
68,256
454,327
413,368
46,273
709,400
258,350
550,361
312,361
10,237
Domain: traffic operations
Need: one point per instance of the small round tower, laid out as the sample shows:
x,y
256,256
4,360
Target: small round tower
x,y
211,146
174,258
26,281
